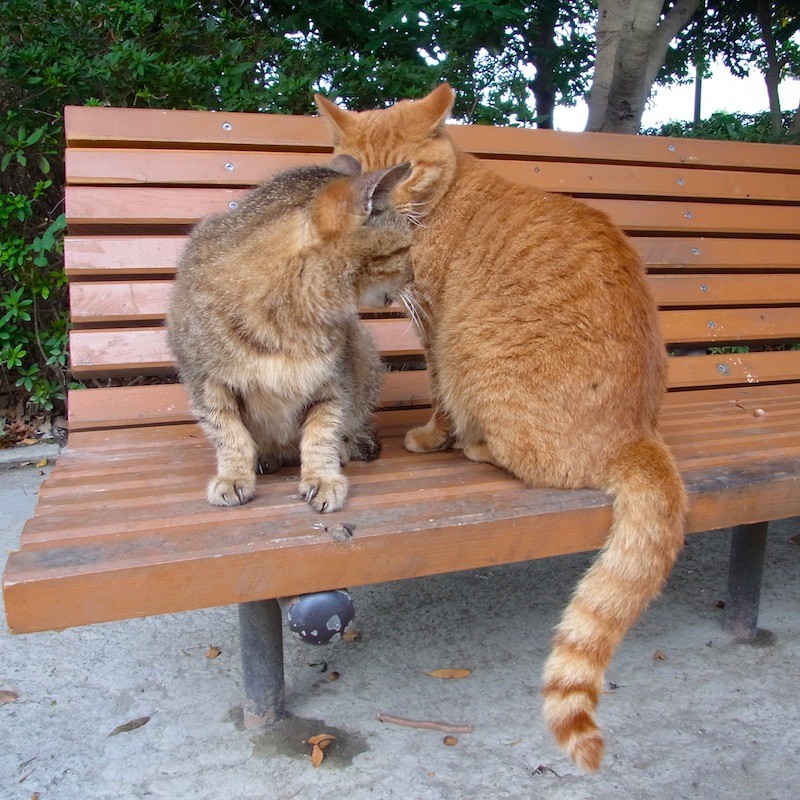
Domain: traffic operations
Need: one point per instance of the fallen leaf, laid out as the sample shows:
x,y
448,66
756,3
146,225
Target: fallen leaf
x,y
130,726
29,441
7,696
213,652
450,741
449,674
321,740
332,676
659,656
317,755
351,636
719,604
42,463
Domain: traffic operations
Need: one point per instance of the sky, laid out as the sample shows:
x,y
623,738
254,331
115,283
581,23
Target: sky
x,y
721,92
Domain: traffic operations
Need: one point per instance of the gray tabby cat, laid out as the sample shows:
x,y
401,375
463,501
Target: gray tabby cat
x,y
264,325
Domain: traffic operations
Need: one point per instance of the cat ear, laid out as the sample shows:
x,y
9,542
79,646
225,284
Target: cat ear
x,y
438,105
337,118
373,190
347,165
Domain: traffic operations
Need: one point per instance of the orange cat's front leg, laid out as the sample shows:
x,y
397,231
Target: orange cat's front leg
x,y
435,434
321,481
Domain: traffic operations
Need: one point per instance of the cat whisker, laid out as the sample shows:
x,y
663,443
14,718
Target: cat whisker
x,y
415,311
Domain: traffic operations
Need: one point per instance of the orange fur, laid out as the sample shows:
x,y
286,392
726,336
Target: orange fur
x,y
546,359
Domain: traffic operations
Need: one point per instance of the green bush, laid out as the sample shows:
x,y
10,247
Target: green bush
x,y
727,126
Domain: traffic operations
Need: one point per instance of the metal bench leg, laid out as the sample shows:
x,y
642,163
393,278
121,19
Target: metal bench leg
x,y
261,628
748,544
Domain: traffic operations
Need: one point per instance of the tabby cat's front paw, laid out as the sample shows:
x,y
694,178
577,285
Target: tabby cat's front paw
x,y
324,493
225,491
427,439
364,446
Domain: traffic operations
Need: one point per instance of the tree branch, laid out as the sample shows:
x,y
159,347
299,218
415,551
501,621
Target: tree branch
x,y
674,22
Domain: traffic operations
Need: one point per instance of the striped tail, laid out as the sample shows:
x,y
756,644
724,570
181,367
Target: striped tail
x,y
645,538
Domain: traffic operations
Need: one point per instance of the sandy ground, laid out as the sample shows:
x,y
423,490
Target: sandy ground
x,y
689,712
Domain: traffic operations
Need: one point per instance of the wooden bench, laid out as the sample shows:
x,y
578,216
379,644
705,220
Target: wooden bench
x,y
122,528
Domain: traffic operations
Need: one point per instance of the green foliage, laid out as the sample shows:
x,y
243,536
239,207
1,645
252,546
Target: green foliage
x,y
727,126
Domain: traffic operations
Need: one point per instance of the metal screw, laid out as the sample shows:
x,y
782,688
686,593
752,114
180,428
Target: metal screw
x,y
233,205
712,324
703,287
695,251
229,166
671,148
680,181
723,369
226,126
688,215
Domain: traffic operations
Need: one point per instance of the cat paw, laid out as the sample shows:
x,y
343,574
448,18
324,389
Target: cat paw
x,y
427,439
267,465
364,446
325,494
479,452
223,491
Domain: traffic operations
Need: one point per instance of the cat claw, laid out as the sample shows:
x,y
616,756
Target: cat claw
x,y
325,494
226,492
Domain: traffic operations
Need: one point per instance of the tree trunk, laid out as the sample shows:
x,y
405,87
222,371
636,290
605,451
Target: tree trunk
x,y
632,42
773,74
543,84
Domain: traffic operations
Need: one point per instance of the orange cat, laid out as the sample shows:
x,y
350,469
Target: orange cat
x,y
545,359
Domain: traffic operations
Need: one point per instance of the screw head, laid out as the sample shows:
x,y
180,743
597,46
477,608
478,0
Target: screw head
x,y
723,369
703,287
226,126
229,166
712,324
688,215
680,181
695,251
233,205
671,148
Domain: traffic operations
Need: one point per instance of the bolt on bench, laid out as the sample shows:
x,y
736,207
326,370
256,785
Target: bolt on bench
x,y
122,528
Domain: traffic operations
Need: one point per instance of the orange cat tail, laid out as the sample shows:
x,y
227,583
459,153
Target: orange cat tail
x,y
644,541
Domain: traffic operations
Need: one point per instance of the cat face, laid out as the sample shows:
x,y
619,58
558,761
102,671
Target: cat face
x,y
412,131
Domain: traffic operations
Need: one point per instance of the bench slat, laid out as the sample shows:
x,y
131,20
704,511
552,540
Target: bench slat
x,y
130,406
147,301
133,406
106,167
131,351
119,256
89,126
124,205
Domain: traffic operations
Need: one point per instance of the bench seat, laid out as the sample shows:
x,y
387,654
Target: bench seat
x,y
122,528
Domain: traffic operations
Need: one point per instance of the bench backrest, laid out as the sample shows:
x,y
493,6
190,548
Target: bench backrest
x,y
717,224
